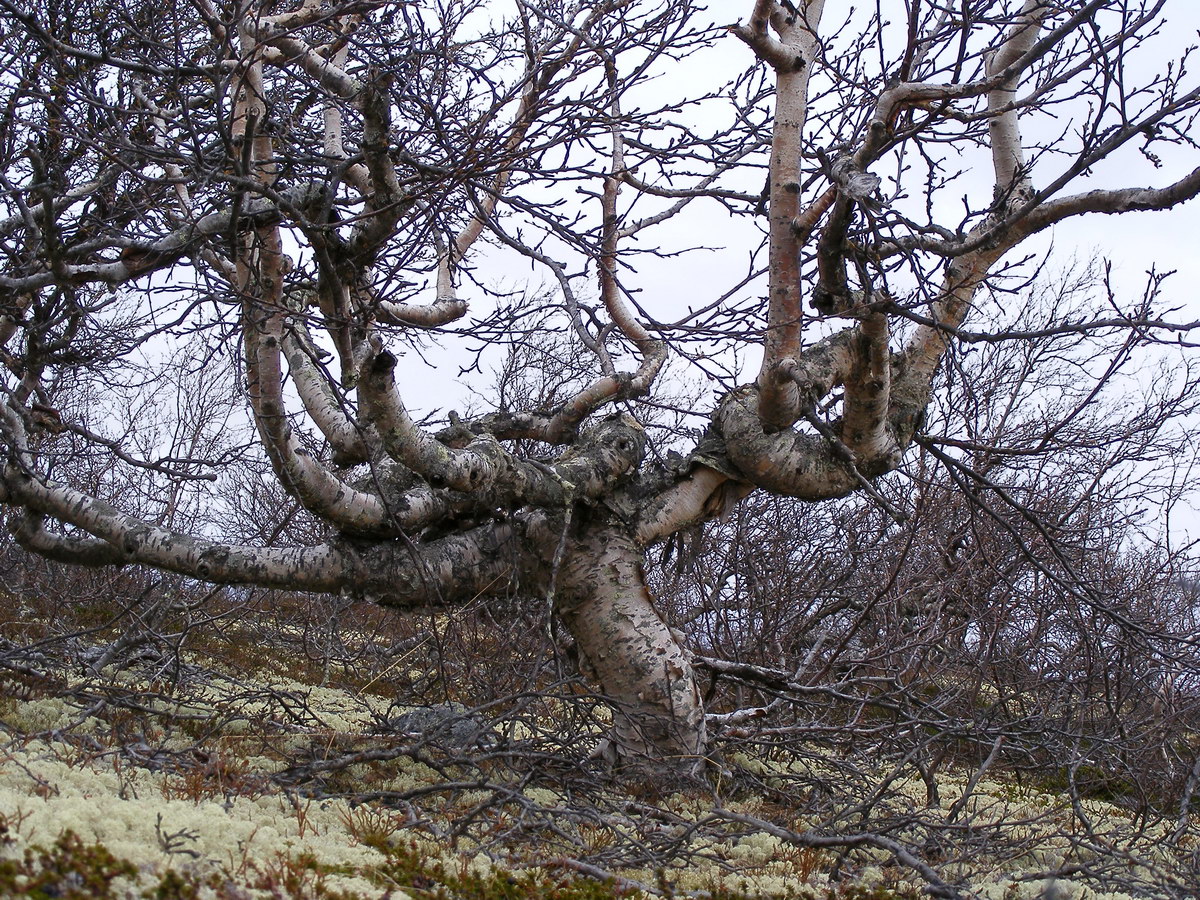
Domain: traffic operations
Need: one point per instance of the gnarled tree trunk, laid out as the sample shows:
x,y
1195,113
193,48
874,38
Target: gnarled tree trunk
x,y
633,654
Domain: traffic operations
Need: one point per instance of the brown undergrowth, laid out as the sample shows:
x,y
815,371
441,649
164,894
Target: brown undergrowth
x,y
243,745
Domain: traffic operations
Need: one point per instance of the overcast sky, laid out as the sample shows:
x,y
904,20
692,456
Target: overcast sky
x,y
1134,243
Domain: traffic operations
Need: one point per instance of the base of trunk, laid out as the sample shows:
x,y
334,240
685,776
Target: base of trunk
x,y
603,600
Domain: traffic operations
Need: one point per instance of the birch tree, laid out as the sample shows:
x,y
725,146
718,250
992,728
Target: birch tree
x,y
308,191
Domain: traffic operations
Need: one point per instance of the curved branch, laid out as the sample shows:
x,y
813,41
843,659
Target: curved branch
x,y
1111,202
386,201
440,312
29,531
603,456
456,568
321,402
305,478
788,462
653,351
307,569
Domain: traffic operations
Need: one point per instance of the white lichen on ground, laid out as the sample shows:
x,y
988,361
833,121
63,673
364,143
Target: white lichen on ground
x,y
194,803
47,790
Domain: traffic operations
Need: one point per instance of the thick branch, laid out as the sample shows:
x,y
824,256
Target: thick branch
x,y
1008,157
866,427
440,312
322,403
311,483
785,462
792,56
1111,202
290,50
929,342
604,455
704,493
77,550
307,569
455,568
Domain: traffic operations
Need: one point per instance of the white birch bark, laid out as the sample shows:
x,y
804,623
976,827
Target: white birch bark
x,y
1008,156
790,52
639,663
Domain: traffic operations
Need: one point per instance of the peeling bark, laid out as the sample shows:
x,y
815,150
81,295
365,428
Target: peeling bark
x,y
639,663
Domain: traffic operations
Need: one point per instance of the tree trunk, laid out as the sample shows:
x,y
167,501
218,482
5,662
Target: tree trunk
x,y
658,717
